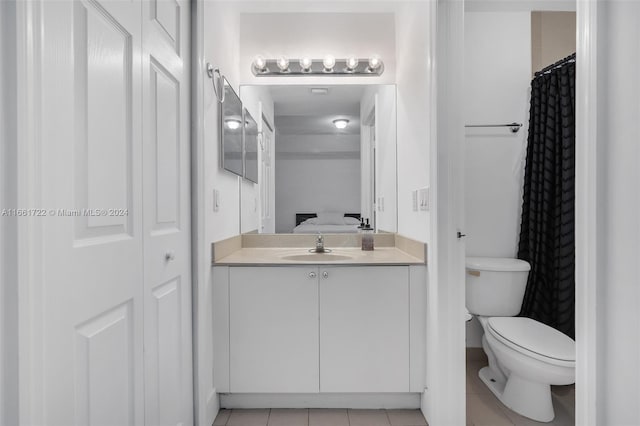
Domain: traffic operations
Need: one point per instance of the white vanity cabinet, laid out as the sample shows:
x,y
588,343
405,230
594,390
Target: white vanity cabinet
x,y
273,338
319,329
364,329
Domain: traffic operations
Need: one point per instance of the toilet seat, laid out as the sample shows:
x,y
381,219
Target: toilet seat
x,y
534,339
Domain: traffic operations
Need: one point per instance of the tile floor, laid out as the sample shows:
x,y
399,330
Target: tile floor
x,y
484,409
319,417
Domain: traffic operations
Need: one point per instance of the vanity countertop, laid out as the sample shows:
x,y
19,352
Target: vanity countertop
x,y
301,256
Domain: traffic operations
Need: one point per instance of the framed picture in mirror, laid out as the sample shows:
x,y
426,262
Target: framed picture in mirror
x,y
250,147
232,129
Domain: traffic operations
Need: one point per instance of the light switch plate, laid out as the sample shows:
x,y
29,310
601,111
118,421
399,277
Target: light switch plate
x,y
424,199
415,200
216,200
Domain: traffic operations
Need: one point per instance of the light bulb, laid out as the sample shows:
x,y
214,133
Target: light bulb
x,y
305,63
352,63
260,63
340,123
374,62
329,62
283,63
233,124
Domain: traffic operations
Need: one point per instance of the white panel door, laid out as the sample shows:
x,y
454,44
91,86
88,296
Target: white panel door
x,y
364,329
86,316
273,329
167,262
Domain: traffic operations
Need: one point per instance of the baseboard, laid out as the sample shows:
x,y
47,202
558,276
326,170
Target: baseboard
x,y
476,354
322,400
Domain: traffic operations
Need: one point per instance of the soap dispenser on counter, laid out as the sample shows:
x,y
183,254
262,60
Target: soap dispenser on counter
x,y
367,237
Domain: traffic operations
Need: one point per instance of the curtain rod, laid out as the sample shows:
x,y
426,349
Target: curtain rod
x,y
561,62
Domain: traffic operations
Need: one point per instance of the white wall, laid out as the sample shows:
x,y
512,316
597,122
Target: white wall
x,y
221,43
618,199
414,78
497,90
308,181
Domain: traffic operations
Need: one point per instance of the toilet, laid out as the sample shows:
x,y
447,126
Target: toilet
x,y
525,356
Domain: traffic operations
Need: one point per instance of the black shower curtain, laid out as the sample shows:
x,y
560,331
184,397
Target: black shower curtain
x,y
547,228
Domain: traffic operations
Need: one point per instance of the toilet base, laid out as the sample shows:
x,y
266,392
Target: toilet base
x,y
529,399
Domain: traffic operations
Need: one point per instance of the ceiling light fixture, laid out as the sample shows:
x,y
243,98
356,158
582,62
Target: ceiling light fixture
x,y
319,91
233,123
340,123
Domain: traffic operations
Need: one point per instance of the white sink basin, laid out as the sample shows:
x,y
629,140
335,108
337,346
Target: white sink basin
x,y
315,257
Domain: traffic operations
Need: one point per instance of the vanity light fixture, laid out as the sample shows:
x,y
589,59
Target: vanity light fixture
x,y
305,64
340,123
352,63
283,64
233,124
374,63
328,63
259,63
328,66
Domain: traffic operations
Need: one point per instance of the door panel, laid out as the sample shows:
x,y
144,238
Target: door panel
x,y
166,156
113,309
273,329
89,317
364,329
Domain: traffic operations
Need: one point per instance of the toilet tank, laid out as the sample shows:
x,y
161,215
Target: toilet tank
x,y
495,285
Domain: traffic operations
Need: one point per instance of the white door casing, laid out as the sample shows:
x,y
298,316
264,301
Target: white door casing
x,y
85,282
166,221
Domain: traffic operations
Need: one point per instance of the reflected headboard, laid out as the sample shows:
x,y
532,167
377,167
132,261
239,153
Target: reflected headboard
x,y
301,217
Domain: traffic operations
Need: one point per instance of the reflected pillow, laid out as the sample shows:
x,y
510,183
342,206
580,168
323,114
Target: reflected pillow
x,y
351,221
330,218
311,221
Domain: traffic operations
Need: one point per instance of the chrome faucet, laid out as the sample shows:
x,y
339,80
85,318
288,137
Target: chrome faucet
x,y
319,244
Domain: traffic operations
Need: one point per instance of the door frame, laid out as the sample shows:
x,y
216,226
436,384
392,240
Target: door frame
x,y
587,310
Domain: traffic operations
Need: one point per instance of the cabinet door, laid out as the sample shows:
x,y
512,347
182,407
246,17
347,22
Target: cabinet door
x,y
364,329
273,329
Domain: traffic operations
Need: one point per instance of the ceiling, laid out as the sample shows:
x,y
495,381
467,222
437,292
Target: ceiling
x,y
299,112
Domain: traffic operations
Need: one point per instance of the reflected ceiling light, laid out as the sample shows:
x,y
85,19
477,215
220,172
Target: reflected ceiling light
x,y
283,64
328,62
233,123
352,63
305,64
340,123
260,63
374,62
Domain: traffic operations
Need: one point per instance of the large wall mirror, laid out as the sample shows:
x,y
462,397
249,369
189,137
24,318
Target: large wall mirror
x,y
333,155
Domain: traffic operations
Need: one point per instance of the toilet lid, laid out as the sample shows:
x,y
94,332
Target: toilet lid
x,y
533,336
